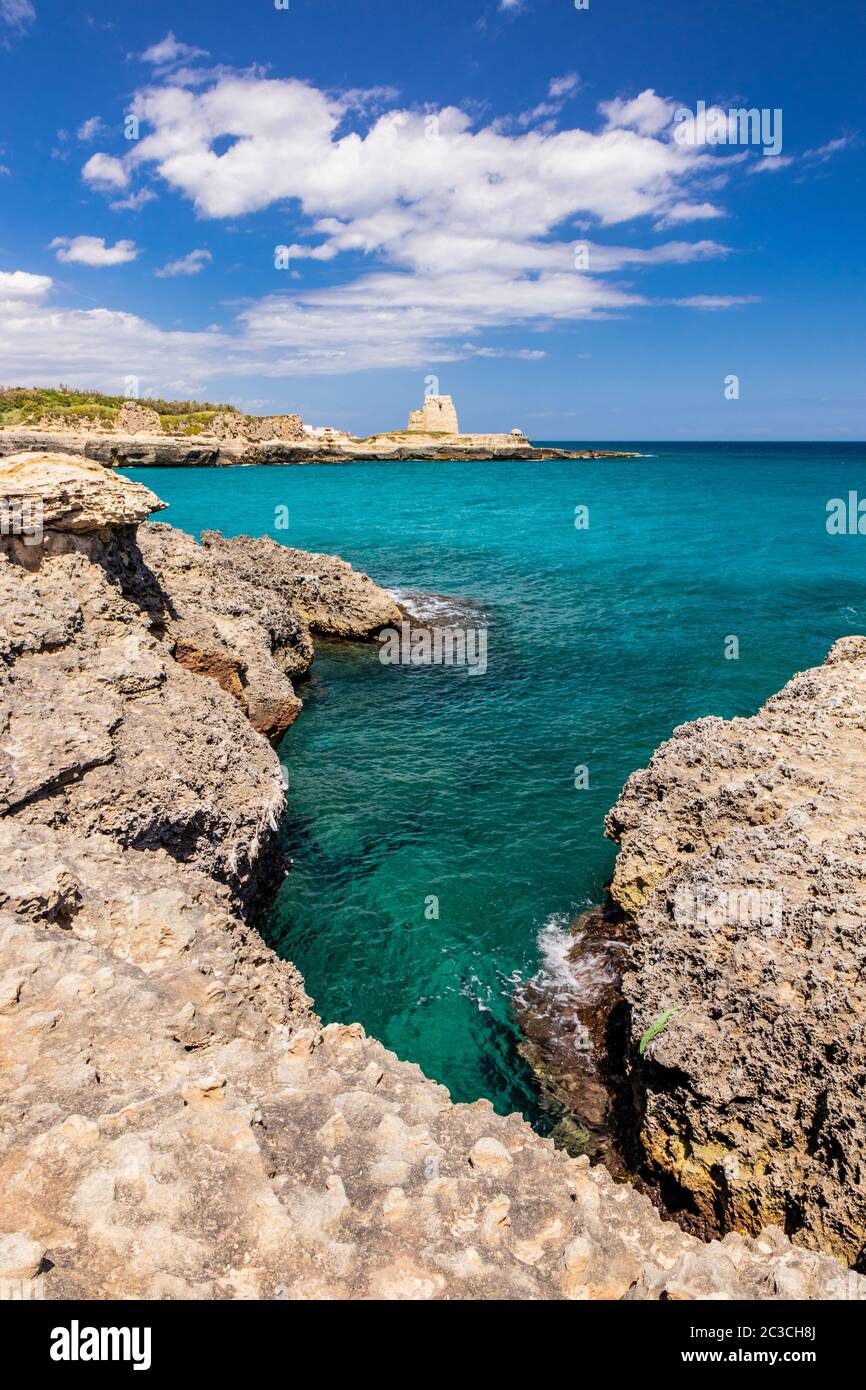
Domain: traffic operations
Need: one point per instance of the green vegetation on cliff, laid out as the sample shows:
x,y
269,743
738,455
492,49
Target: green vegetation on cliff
x,y
27,405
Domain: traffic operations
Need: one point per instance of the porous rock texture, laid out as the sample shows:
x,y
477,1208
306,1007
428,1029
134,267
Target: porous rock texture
x,y
743,851
174,1120
135,418
332,597
69,494
243,633
253,429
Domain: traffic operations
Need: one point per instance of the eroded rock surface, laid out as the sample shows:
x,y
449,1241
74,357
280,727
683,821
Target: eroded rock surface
x,y
332,597
135,418
233,627
69,494
174,1120
742,862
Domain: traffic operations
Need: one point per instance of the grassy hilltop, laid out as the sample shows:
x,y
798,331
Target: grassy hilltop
x,y
27,405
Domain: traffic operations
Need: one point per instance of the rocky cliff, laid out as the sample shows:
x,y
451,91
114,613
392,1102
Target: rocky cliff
x,y
117,450
174,1120
742,861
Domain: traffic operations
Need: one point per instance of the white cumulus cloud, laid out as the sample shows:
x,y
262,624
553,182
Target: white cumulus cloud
x,y
646,113
92,251
19,285
439,233
105,171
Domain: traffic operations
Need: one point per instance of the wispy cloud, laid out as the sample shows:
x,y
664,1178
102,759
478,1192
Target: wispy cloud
x,y
809,159
715,301
191,264
559,91
91,129
170,51
17,14
134,202
564,86
822,153
770,166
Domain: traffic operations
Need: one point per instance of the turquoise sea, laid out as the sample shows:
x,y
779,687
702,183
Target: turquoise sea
x,y
414,784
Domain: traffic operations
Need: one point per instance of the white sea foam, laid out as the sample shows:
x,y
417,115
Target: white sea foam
x,y
556,975
439,610
561,976
554,989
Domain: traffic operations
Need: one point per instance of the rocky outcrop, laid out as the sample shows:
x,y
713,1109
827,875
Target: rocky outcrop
x,y
175,1124
174,1121
742,864
243,611
135,418
436,416
122,451
243,633
69,497
103,730
252,428
329,595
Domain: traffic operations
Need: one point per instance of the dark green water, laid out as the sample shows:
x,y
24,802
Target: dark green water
x,y
408,784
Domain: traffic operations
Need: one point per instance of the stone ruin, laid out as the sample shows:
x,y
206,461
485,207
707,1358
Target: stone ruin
x,y
436,416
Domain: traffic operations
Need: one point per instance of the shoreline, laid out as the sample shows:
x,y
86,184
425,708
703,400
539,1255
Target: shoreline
x,y
160,451
198,1133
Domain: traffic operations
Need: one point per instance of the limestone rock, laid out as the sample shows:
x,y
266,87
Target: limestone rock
x,y
742,862
235,627
101,730
135,418
252,429
333,598
74,495
20,1257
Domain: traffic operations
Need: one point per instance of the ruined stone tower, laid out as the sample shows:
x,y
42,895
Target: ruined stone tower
x,y
436,416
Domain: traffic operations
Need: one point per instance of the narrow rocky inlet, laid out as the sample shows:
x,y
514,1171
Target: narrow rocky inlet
x,y
174,1120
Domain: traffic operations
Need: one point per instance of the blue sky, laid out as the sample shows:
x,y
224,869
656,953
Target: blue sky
x,y
505,195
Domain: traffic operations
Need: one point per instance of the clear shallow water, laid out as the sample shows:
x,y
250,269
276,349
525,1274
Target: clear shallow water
x,y
408,783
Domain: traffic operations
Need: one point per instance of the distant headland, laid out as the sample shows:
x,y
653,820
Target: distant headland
x,y
122,432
